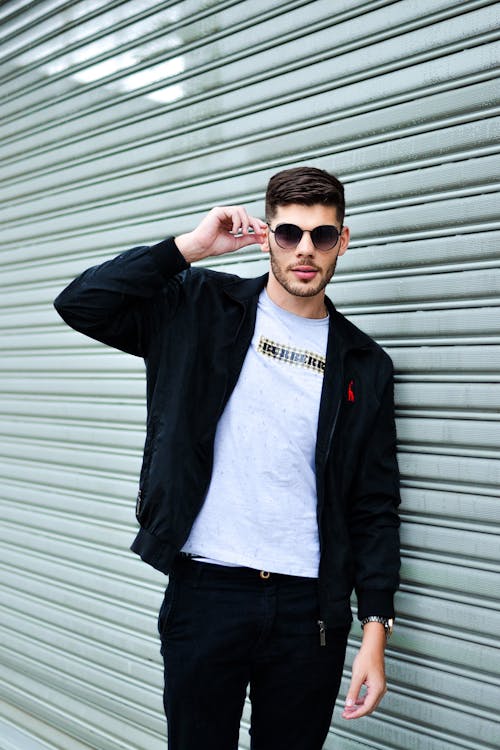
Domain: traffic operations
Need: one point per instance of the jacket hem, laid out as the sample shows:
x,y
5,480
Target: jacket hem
x,y
159,554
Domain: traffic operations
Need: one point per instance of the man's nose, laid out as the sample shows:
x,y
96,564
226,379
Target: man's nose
x,y
305,246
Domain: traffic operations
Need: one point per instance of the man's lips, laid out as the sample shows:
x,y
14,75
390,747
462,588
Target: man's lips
x,y
304,272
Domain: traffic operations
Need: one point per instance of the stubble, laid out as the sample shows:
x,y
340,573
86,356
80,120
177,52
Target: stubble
x,y
295,287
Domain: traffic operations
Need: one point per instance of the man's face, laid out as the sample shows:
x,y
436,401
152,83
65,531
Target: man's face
x,y
303,271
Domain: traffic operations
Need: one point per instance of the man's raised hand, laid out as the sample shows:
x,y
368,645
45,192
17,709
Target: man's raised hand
x,y
223,230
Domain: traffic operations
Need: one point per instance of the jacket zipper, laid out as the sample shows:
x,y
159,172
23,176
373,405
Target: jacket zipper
x,y
332,431
138,505
322,632
321,622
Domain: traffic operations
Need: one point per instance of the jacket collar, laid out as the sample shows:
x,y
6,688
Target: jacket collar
x,y
244,289
349,336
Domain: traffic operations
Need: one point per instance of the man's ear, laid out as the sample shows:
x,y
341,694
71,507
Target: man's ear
x,y
344,240
265,244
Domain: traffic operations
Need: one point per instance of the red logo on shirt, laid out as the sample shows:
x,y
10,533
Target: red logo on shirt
x,y
350,391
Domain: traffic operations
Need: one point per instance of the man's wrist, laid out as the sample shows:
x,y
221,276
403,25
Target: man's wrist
x,y
374,637
387,623
189,247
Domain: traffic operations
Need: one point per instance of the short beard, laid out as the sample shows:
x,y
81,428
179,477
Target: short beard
x,y
295,287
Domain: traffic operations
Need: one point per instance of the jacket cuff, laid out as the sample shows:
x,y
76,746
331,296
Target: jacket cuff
x,y
375,602
168,258
154,551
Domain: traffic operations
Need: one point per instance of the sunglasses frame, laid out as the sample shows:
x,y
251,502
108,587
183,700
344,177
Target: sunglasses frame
x,y
310,232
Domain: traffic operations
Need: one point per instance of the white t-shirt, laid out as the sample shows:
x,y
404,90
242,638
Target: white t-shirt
x,y
260,509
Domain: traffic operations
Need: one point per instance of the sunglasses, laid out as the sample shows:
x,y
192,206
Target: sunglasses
x,y
324,237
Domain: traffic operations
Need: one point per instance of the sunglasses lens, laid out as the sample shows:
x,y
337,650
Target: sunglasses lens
x,y
325,237
288,236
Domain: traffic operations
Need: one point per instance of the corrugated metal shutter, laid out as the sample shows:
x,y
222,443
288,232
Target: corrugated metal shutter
x,y
123,122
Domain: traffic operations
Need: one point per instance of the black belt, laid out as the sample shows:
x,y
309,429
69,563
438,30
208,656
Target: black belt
x,y
186,566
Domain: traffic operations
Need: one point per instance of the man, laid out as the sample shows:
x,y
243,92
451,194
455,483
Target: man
x,y
269,485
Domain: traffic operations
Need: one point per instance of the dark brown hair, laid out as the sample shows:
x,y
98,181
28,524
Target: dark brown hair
x,y
306,186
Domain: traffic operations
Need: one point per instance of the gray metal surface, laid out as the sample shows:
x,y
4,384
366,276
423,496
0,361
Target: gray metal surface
x,y
123,122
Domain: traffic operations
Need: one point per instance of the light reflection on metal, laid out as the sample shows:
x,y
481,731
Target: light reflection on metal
x,y
168,94
81,32
155,73
121,61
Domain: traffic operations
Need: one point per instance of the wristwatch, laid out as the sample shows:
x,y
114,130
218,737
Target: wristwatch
x,y
387,622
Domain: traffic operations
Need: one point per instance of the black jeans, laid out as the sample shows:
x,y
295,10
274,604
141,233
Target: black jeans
x,y
223,629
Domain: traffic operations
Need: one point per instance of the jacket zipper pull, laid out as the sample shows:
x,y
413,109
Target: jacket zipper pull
x,y
322,633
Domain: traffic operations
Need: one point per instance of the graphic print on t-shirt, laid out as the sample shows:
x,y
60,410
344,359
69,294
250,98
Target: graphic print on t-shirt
x,y
292,355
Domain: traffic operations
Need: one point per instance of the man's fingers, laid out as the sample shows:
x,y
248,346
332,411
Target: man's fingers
x,y
353,694
259,227
240,221
233,219
363,705
244,225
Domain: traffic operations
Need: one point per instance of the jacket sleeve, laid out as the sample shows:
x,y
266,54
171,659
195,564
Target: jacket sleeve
x,y
118,302
374,520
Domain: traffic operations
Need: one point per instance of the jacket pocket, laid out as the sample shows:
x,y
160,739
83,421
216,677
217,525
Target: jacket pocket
x,y
149,448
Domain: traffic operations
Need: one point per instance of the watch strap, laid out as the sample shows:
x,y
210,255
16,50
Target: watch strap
x,y
387,622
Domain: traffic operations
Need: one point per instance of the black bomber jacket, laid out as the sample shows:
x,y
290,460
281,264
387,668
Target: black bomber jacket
x,y
193,327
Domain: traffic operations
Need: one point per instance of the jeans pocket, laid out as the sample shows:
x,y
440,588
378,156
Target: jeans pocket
x,y
166,609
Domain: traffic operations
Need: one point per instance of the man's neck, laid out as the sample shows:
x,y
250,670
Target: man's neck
x,y
305,307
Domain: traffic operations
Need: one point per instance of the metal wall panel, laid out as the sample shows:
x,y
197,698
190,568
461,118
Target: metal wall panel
x,y
123,122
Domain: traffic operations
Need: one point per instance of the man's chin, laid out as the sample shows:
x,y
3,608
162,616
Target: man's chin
x,y
305,291
302,289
